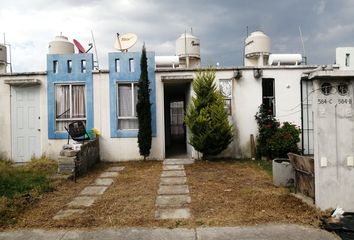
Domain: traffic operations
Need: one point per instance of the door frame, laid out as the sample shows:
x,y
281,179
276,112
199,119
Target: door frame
x,y
36,89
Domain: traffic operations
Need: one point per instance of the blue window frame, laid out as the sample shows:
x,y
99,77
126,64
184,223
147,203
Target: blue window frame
x,y
70,92
123,93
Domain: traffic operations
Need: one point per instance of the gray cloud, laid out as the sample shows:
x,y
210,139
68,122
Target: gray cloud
x,y
220,25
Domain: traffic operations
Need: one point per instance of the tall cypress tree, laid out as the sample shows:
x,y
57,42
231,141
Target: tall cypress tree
x,y
143,108
206,117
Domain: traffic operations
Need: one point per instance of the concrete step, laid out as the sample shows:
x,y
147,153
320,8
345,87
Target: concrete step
x,y
173,181
172,200
179,213
178,161
173,190
177,173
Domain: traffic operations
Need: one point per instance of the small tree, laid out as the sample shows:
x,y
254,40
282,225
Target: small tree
x,y
206,117
143,109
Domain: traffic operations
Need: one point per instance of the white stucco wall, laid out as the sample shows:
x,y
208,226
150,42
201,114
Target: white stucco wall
x,y
5,139
246,98
5,116
334,145
116,149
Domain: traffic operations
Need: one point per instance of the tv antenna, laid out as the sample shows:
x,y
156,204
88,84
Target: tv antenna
x,y
303,47
94,44
125,41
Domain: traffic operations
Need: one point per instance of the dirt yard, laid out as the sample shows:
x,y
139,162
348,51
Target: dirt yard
x,y
223,194
239,193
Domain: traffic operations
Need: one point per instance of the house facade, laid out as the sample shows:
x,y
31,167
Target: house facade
x,y
39,104
36,107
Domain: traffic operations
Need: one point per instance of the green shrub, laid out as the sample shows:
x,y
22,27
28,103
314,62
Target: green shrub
x,y
267,126
275,141
284,140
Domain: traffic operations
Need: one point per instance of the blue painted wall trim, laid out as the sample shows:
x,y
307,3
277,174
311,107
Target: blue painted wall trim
x,y
124,75
63,77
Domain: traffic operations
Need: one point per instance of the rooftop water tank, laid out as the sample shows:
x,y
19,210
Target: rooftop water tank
x,y
61,45
189,45
167,61
257,43
285,59
3,54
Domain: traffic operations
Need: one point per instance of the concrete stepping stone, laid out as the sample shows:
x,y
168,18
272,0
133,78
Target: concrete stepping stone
x,y
93,190
109,174
103,181
173,200
67,213
173,167
173,189
178,161
180,213
115,169
83,201
173,181
179,173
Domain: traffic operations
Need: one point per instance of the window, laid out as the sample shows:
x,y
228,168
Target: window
x,y
131,64
177,119
347,59
117,65
55,66
268,99
83,66
70,105
226,90
70,66
127,99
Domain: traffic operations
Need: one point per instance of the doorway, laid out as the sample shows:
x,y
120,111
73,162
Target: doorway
x,y
25,123
176,98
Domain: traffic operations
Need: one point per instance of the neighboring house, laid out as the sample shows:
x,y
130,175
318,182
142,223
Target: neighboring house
x,y
40,104
332,100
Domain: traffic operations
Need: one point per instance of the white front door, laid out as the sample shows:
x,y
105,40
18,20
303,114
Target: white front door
x,y
25,123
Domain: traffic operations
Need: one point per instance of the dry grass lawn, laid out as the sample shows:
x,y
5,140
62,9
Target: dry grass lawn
x,y
239,193
223,194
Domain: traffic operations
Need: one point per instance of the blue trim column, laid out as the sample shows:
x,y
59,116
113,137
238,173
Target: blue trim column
x,y
126,75
63,76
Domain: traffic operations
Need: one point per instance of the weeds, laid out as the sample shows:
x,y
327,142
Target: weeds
x,y
21,185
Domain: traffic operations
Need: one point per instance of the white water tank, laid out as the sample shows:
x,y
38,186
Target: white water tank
x,y
167,61
3,58
61,45
285,59
188,51
257,43
187,44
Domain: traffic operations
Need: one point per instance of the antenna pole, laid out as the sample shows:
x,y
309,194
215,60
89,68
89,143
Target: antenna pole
x,y
185,48
94,44
303,45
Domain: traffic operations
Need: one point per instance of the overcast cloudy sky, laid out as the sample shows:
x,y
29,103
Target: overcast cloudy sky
x,y
221,26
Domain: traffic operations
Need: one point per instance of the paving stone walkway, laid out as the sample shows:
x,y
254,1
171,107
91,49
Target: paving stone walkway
x,y
89,194
173,199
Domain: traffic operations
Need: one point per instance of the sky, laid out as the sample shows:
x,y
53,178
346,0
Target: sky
x,y
221,26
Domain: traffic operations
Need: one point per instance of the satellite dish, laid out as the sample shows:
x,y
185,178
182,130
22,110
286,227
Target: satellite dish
x,y
79,46
125,41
